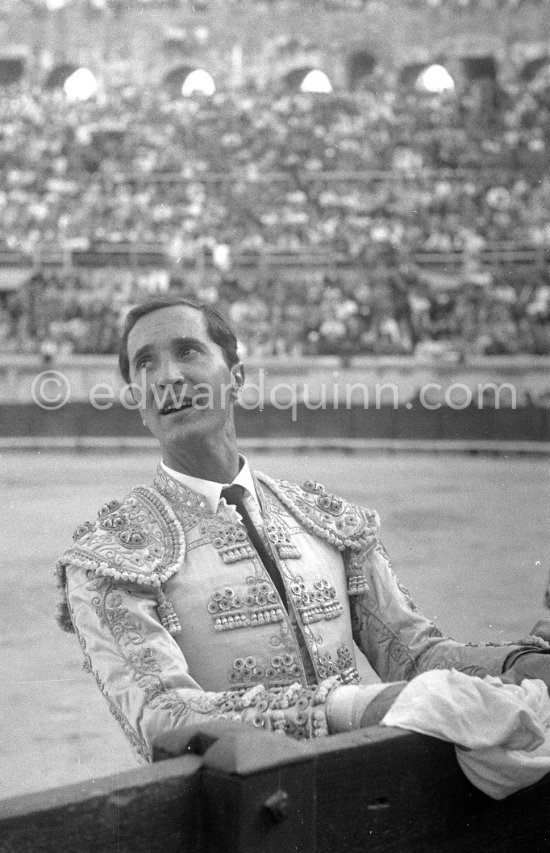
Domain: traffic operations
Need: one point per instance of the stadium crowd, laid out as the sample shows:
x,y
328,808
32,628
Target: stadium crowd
x,y
292,172
387,172
387,311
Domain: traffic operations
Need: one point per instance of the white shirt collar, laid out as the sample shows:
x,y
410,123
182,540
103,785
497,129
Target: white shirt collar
x,y
209,489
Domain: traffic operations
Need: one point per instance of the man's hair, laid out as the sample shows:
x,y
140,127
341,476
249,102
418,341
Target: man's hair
x,y
219,330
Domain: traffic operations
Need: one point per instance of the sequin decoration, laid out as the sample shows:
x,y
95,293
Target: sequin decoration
x,y
82,529
126,522
294,711
317,603
325,501
357,583
109,507
137,541
281,541
167,614
116,521
229,538
338,522
330,503
343,666
259,606
313,488
281,670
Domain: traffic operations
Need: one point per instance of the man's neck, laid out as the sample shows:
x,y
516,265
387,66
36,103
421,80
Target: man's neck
x,y
219,464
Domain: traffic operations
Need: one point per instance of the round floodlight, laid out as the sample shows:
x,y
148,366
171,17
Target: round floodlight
x,y
81,85
316,81
435,79
198,81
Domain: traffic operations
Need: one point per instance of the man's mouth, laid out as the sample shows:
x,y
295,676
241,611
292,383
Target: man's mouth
x,y
172,407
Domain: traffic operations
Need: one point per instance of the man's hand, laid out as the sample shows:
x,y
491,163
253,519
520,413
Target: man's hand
x,y
379,706
528,665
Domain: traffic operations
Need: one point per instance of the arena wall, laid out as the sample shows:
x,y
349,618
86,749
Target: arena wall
x,y
396,399
261,41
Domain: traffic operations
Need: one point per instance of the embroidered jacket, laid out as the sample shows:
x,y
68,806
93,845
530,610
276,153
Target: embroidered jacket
x,y
180,622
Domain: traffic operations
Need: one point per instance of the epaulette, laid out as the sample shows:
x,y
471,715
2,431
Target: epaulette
x,y
137,540
340,522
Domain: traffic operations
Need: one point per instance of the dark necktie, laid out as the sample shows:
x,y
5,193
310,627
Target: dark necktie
x,y
234,495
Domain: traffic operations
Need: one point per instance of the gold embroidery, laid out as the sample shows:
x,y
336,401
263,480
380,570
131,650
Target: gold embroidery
x,y
137,743
188,505
315,604
259,606
338,522
343,666
281,541
281,670
228,538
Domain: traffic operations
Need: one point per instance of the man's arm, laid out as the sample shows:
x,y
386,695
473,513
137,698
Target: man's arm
x,y
143,674
400,643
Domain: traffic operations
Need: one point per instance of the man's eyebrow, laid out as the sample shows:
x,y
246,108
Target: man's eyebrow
x,y
196,342
144,350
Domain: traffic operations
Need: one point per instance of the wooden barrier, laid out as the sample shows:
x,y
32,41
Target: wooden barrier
x,y
79,420
241,790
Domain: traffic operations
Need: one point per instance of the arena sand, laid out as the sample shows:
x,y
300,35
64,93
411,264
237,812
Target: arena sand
x,y
468,535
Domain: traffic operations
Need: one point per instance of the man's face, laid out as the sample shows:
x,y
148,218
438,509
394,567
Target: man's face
x,y
188,387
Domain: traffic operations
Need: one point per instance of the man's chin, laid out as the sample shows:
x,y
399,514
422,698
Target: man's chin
x,y
177,420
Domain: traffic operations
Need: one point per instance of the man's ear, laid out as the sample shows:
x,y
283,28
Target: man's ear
x,y
237,379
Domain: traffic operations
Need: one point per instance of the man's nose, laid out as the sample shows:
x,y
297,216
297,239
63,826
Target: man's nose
x,y
170,373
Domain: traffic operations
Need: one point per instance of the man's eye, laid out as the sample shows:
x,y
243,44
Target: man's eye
x,y
187,349
143,363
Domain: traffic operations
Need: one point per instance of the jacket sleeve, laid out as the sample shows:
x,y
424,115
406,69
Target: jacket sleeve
x,y
400,642
143,674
